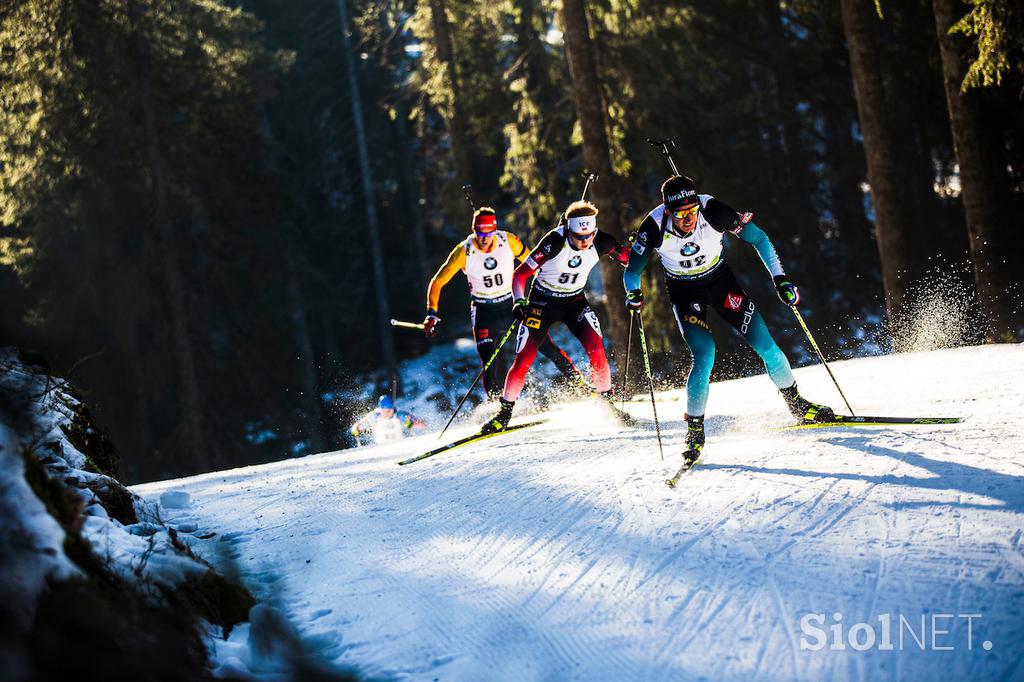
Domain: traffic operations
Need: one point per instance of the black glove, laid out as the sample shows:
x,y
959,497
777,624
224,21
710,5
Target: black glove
x,y
787,291
520,309
634,300
429,322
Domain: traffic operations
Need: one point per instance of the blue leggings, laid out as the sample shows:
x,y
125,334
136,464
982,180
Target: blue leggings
x,y
702,348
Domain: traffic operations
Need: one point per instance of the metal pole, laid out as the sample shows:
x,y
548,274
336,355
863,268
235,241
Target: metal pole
x,y
625,371
478,376
665,145
406,325
821,357
650,378
591,177
468,191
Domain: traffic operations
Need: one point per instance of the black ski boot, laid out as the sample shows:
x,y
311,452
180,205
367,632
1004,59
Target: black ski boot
x,y
694,437
500,421
623,418
804,410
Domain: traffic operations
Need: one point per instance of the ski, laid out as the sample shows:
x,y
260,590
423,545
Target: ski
x,y
847,420
468,439
690,458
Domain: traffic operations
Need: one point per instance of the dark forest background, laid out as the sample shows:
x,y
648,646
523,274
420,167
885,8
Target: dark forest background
x,y
209,210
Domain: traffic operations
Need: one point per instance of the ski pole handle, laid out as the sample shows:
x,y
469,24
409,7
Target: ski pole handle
x,y
407,325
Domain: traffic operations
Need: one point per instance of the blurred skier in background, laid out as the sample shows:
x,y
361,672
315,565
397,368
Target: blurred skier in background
x,y
386,423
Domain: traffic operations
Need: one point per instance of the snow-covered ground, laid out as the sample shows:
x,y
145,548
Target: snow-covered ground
x,y
559,553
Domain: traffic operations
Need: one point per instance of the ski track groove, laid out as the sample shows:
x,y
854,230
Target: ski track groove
x,y
788,628
682,549
676,612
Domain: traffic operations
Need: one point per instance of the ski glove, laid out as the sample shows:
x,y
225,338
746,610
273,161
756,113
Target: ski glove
x,y
520,309
634,299
429,322
788,293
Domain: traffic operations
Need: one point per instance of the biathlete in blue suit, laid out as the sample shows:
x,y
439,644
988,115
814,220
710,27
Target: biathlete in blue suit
x,y
687,231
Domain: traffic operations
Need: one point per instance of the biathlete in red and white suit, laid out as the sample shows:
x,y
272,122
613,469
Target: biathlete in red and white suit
x,y
488,258
562,261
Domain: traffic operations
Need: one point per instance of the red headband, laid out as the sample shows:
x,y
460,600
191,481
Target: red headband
x,y
485,223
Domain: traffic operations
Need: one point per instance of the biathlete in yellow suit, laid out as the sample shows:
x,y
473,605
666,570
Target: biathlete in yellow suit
x,y
488,257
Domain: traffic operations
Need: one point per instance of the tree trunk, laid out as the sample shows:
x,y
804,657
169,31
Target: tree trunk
x,y
201,455
530,47
586,90
412,180
880,148
844,169
372,226
457,127
983,181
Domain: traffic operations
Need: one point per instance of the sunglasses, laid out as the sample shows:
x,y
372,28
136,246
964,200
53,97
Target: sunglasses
x,y
484,233
685,212
582,237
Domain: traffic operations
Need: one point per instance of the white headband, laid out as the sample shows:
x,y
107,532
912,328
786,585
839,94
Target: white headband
x,y
583,225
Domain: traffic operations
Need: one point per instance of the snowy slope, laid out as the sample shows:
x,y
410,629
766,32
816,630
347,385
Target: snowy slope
x,y
558,553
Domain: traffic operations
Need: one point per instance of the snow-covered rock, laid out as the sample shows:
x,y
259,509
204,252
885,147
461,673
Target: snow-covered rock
x,y
33,541
69,529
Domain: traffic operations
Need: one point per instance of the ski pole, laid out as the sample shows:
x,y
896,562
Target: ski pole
x,y
800,319
650,378
665,145
478,376
625,371
406,325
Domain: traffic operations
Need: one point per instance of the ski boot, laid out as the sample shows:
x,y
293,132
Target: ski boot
x,y
694,438
804,410
607,400
499,422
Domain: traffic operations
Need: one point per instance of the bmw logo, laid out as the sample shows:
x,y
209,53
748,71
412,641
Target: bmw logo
x,y
491,263
575,261
689,248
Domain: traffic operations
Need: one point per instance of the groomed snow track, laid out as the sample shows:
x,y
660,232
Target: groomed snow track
x,y
558,553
